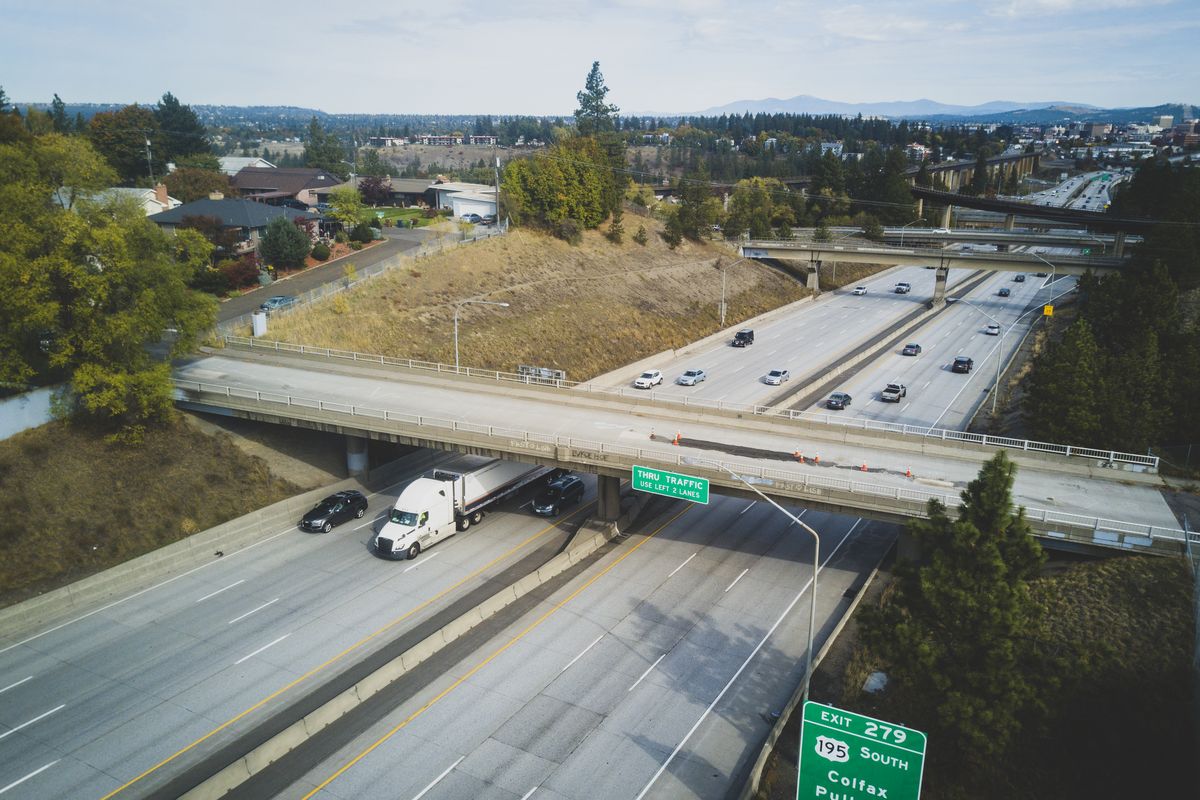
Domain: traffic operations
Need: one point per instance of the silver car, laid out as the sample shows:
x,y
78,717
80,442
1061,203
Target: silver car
x,y
691,377
776,377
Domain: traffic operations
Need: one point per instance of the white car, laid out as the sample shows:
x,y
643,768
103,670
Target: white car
x,y
648,379
860,290
691,377
776,377
992,330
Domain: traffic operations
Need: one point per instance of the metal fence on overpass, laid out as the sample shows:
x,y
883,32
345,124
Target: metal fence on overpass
x,y
1147,463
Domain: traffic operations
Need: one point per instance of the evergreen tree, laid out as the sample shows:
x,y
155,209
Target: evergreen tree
x,y
1066,389
284,244
324,151
58,113
594,115
121,137
957,633
182,132
979,178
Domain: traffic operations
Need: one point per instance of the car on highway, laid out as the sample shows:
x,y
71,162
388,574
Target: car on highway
x,y
691,377
838,401
903,287
648,379
334,510
1019,277
743,338
992,329
777,376
859,290
472,218
893,392
565,490
941,230
1004,291
1042,274
962,364
278,302
911,349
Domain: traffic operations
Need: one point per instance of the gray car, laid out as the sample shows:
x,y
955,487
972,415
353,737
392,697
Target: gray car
x,y
691,377
279,301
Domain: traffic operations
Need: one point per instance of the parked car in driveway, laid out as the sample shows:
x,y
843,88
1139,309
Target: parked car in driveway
x,y
563,491
777,376
838,401
279,301
691,377
648,379
911,349
334,510
472,218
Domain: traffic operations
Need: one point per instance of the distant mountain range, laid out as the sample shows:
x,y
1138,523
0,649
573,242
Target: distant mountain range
x,y
807,104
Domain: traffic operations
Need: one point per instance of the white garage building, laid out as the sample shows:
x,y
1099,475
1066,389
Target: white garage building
x,y
466,198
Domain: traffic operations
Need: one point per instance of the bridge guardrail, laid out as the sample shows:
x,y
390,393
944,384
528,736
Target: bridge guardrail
x,y
932,253
1113,457
1102,530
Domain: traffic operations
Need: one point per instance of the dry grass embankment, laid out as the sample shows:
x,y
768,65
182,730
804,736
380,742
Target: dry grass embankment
x,y
586,309
72,504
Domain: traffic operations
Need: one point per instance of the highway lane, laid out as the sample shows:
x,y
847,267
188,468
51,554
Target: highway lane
x,y
651,674
110,695
612,421
938,397
810,337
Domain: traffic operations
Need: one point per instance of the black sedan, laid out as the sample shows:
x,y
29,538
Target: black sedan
x,y
334,510
1004,291
838,401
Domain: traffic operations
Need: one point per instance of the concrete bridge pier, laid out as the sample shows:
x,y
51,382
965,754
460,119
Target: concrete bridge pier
x,y
608,498
1010,222
814,278
939,286
920,207
1119,244
946,216
356,456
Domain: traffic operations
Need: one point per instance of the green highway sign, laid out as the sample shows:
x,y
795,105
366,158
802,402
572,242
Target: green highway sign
x,y
847,755
670,484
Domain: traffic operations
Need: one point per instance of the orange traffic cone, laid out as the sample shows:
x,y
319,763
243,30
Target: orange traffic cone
x,y
817,458
908,472
864,466
676,440
798,456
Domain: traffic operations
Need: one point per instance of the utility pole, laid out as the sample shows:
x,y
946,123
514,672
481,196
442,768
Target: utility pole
x,y
149,163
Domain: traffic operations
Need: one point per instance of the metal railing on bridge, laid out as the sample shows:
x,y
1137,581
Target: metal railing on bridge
x,y
902,500
1108,457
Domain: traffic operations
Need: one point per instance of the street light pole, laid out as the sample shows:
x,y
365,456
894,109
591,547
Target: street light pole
x,y
1053,269
812,609
902,227
457,307
999,348
724,267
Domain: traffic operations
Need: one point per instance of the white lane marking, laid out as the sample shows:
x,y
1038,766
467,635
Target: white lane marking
x,y
747,508
684,564
926,386
906,405
581,655
423,560
81,617
647,672
738,578
252,611
30,722
218,591
438,779
740,669
19,781
259,650
15,685
529,794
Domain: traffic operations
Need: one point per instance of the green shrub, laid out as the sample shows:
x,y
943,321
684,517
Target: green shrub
x,y
569,231
362,233
341,237
356,246
320,251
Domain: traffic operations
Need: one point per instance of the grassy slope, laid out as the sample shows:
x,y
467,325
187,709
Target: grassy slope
x,y
72,505
587,309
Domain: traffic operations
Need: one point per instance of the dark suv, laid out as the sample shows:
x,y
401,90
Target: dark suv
x,y
743,338
334,510
563,491
962,364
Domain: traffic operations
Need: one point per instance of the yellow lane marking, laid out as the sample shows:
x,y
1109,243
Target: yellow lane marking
x,y
491,657
341,655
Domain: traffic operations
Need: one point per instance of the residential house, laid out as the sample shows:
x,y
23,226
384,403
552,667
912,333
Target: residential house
x,y
152,201
248,217
232,165
405,191
280,185
479,198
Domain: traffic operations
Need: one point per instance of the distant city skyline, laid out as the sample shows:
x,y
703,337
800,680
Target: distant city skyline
x,y
658,56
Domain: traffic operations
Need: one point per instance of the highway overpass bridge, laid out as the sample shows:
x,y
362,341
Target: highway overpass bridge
x,y
1075,496
815,253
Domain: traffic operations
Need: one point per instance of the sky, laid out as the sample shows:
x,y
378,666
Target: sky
x,y
657,56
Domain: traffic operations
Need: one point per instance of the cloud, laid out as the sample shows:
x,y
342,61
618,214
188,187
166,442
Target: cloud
x,y
1043,8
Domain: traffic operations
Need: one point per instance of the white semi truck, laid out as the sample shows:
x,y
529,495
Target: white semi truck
x,y
434,508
